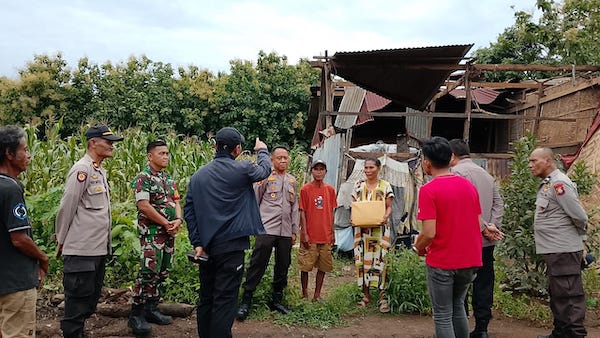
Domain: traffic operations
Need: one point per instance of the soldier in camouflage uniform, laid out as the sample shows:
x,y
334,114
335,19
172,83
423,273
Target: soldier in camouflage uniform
x,y
159,219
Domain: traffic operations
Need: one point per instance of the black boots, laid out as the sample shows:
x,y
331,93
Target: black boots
x,y
137,323
153,315
277,305
245,306
480,331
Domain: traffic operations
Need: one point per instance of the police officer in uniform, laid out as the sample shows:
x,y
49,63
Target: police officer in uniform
x,y
83,230
159,219
559,229
278,201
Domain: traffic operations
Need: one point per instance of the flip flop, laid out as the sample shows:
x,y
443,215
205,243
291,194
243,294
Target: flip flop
x,y
363,302
383,306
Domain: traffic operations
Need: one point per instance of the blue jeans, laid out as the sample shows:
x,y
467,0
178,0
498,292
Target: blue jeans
x,y
447,290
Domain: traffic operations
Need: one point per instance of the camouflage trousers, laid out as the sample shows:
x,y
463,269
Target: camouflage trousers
x,y
156,260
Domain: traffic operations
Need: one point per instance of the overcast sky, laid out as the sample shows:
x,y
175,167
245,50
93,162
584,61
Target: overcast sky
x,y
210,33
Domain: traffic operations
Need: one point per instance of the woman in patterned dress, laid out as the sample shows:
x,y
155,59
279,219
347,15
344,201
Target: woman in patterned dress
x,y
372,244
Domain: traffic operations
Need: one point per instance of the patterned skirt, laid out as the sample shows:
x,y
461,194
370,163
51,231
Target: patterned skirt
x,y
371,245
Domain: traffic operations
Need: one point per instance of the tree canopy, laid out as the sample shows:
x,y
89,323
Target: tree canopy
x,y
268,99
564,32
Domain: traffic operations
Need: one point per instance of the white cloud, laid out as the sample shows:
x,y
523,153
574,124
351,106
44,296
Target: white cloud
x,y
211,34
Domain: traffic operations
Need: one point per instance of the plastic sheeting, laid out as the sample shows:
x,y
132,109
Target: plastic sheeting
x,y
330,153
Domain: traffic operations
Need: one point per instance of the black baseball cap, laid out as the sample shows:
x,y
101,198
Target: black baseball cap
x,y
318,162
230,137
102,131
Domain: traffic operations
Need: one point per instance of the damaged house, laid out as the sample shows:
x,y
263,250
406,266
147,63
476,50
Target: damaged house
x,y
383,103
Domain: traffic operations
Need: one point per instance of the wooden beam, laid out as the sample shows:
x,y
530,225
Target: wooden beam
x,y
449,87
506,85
481,67
468,104
538,111
582,85
364,155
543,68
450,115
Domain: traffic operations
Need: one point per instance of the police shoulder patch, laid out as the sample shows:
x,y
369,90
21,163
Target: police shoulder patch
x,y
559,188
81,176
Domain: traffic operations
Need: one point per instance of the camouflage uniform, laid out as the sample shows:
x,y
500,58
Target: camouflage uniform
x,y
157,245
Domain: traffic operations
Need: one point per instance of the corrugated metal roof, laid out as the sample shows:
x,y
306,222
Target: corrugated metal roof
x,y
481,95
401,75
374,102
351,102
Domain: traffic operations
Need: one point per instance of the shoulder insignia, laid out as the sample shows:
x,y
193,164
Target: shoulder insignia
x,y
559,188
81,176
271,178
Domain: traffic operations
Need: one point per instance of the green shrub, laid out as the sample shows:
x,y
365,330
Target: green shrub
x,y
524,269
407,290
183,282
582,177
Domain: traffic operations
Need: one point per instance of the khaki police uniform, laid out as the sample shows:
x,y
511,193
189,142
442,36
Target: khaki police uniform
x,y
277,198
559,228
83,229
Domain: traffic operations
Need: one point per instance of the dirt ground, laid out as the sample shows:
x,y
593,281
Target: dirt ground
x,y
371,325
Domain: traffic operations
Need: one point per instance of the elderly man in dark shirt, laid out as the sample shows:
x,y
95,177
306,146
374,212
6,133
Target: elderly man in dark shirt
x,y
221,212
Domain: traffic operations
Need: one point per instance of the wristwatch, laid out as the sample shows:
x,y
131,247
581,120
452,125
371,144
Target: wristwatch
x,y
414,248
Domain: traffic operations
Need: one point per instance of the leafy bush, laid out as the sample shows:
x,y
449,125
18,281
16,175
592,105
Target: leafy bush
x,y
523,268
407,291
583,177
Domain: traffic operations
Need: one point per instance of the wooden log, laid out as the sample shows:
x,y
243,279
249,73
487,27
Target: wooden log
x,y
122,310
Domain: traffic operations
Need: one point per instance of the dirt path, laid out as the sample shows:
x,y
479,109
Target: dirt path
x,y
371,325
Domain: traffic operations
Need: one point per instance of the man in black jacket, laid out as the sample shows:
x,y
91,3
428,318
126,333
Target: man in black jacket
x,y
221,213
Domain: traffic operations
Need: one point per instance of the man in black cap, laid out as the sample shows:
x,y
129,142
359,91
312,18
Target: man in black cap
x,y
83,230
221,213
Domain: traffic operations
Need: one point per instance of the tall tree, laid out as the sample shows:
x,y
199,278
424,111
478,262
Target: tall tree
x,y
563,33
39,94
267,100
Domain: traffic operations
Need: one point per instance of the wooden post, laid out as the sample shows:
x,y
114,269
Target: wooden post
x,y
538,110
467,127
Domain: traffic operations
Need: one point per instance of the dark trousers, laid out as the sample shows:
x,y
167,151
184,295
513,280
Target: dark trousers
x,y
482,298
220,279
82,280
567,298
263,246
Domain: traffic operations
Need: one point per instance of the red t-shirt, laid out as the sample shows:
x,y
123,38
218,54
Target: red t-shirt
x,y
454,204
318,204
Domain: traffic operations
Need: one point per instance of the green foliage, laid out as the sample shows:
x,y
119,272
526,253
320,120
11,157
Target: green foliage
x,y
272,94
157,99
583,177
124,262
183,282
561,32
326,313
518,305
524,270
407,290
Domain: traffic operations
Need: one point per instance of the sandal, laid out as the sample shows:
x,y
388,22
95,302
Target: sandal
x,y
363,302
383,306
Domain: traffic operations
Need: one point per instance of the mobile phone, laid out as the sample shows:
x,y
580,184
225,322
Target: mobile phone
x,y
192,258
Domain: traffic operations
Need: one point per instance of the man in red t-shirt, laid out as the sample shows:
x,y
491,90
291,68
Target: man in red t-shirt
x,y
317,201
450,238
